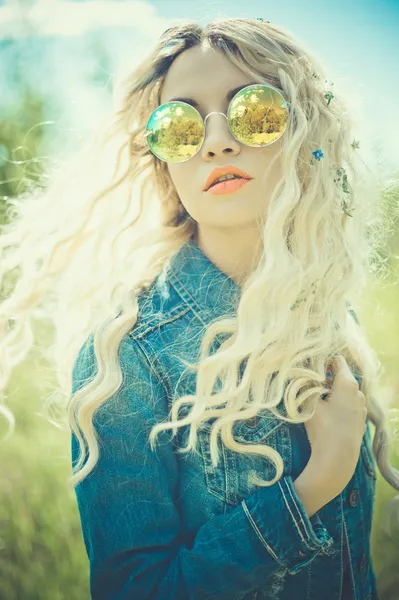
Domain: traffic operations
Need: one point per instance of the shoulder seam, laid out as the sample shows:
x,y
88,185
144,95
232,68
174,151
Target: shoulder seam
x,y
146,326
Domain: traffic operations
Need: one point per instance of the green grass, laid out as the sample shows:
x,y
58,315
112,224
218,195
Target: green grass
x,y
382,327
42,554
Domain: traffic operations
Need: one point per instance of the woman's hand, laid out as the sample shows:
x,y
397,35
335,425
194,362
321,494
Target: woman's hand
x,y
336,429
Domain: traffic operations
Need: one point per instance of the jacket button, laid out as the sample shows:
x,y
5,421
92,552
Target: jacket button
x,y
354,497
253,422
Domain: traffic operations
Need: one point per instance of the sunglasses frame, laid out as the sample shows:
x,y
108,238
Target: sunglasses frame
x,y
254,85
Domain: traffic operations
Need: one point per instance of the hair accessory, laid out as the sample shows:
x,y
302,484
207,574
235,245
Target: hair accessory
x,y
329,95
261,19
342,180
318,154
340,177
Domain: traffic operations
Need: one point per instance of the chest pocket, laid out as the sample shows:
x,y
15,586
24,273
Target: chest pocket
x,y
232,479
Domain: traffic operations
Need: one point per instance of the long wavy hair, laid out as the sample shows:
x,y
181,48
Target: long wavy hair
x,y
111,209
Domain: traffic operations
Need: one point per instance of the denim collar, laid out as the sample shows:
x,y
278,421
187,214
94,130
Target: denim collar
x,y
201,283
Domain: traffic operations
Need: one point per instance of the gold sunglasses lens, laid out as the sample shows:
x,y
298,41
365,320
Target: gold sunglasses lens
x,y
175,132
258,115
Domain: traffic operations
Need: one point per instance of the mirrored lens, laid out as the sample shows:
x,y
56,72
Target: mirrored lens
x,y
175,132
258,115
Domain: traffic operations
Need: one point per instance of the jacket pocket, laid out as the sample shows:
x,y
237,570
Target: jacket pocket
x,y
233,478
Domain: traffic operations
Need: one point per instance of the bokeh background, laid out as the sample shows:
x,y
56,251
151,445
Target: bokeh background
x,y
58,61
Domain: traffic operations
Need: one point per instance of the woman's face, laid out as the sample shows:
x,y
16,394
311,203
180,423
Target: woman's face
x,y
206,76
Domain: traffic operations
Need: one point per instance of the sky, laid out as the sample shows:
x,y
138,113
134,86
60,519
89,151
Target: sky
x,y
54,42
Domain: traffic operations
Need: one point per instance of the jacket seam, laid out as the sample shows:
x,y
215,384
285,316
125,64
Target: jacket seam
x,y
186,296
303,522
367,454
342,544
259,534
145,327
162,378
292,515
350,560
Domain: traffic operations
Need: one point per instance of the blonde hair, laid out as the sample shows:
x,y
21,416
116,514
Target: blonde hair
x,y
87,244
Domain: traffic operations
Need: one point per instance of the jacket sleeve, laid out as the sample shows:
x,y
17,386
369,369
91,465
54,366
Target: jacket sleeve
x,y
130,522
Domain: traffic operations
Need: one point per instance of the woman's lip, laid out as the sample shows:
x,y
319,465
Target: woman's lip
x,y
227,186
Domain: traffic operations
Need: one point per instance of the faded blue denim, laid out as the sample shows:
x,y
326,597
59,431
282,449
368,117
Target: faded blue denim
x,y
169,526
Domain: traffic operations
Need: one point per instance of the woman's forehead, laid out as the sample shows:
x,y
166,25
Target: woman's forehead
x,y
196,74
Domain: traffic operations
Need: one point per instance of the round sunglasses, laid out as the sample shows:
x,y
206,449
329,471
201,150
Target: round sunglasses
x,y
257,116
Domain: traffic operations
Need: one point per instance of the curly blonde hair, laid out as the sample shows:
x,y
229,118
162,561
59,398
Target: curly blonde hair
x,y
75,238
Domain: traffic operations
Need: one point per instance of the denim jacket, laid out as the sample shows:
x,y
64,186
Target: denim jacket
x,y
165,525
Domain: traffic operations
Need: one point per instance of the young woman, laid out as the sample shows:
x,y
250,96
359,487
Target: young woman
x,y
222,386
